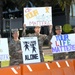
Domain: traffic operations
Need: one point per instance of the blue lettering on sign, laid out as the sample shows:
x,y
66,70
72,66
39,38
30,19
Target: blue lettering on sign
x,y
31,57
62,37
4,57
60,49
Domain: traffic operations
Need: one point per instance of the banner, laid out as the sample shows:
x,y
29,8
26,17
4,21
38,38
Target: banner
x,y
30,50
38,16
4,52
63,43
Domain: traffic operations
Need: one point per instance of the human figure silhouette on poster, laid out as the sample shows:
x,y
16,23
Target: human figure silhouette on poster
x,y
33,44
26,45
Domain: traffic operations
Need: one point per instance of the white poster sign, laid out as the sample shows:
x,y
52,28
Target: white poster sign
x,y
4,50
38,16
63,43
30,50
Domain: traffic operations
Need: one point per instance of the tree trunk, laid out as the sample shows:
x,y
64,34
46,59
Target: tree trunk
x,y
67,13
1,16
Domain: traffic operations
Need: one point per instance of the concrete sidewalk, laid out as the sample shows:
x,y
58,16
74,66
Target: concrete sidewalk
x,y
47,50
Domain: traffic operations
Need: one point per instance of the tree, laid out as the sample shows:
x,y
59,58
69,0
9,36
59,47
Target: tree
x,y
1,10
65,5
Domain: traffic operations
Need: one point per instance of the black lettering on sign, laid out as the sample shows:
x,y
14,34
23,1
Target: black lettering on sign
x,y
31,57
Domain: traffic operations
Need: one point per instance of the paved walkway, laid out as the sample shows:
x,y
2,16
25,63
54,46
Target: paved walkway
x,y
47,50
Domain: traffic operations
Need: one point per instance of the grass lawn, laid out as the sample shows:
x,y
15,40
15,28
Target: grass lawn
x,y
48,57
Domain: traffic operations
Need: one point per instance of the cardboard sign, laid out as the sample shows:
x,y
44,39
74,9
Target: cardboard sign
x,y
4,52
63,43
30,50
38,16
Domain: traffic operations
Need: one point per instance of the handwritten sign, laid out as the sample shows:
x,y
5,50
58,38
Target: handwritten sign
x,y
63,43
30,50
4,52
38,16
